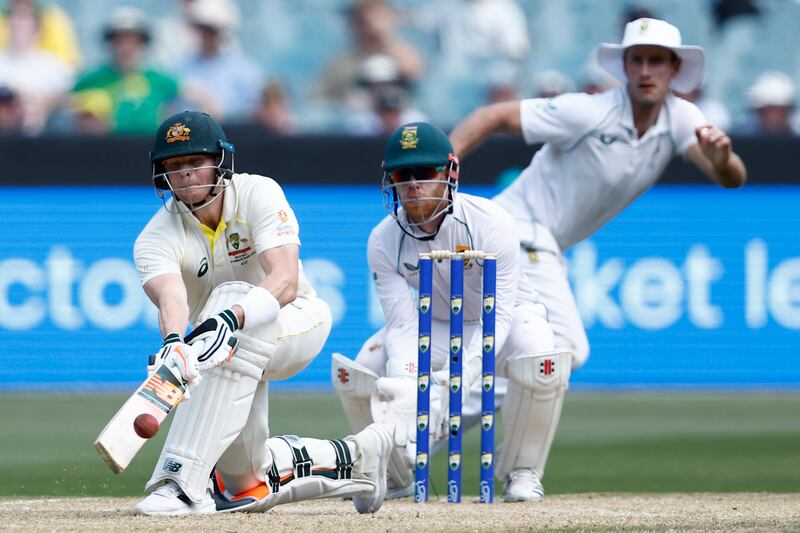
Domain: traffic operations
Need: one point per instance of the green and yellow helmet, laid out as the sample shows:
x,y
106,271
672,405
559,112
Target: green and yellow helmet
x,y
189,133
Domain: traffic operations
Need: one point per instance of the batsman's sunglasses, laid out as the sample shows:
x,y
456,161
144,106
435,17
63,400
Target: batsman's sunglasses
x,y
402,175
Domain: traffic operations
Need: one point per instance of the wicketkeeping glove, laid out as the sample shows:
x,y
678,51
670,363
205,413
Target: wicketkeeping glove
x,y
394,405
213,340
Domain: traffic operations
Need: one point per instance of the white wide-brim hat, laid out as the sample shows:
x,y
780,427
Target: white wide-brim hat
x,y
657,33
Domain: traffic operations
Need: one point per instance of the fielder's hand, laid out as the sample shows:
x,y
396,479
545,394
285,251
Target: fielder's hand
x,y
179,356
715,145
213,340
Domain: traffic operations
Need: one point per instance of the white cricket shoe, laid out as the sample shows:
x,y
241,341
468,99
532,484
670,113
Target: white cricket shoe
x,y
169,500
393,493
523,486
380,443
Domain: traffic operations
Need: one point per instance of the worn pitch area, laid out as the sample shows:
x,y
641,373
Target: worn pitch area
x,y
574,512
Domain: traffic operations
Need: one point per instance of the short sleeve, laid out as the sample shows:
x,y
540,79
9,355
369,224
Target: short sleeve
x,y
271,219
686,117
560,120
156,253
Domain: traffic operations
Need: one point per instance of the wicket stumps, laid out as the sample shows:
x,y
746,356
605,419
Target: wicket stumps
x,y
457,260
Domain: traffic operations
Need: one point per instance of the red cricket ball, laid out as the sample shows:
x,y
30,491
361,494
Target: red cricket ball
x,y
145,425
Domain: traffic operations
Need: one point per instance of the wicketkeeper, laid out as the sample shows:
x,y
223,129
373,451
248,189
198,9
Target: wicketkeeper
x,y
426,213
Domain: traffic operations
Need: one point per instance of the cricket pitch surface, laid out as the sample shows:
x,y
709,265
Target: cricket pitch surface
x,y
569,512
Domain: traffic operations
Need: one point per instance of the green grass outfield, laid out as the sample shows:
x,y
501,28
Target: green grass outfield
x,y
607,442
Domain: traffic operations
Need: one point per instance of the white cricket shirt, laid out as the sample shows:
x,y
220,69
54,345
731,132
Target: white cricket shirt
x,y
255,217
592,164
475,224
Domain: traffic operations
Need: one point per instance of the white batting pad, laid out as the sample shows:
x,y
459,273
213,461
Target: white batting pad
x,y
203,428
354,384
531,409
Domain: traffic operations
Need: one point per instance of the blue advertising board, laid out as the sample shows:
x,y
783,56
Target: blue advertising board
x,y
692,286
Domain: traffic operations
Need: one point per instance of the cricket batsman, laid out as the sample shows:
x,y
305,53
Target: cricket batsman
x,y
222,254
420,182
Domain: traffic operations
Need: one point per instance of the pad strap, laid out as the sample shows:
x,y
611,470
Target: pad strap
x,y
300,459
303,464
344,460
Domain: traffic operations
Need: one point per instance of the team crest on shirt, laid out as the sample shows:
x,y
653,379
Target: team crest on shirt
x,y
408,138
283,216
239,249
177,132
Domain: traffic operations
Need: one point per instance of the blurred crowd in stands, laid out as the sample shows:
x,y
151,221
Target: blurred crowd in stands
x,y
192,57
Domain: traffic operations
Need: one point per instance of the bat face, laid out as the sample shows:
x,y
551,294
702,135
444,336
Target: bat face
x,y
118,443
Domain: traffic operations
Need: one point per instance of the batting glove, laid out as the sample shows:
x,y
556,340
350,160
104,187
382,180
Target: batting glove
x,y
180,357
213,340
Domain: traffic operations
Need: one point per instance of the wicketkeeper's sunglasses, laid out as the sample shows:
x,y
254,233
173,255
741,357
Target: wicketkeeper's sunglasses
x,y
400,175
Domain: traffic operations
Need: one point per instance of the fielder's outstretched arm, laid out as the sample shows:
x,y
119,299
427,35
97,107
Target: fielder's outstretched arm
x,y
473,130
714,155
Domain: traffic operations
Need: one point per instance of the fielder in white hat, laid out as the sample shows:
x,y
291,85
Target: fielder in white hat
x,y
600,153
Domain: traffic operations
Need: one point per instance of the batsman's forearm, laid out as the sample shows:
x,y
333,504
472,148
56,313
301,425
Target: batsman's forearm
x,y
173,316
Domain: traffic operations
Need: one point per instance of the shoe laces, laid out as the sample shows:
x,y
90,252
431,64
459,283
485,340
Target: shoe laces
x,y
169,489
524,474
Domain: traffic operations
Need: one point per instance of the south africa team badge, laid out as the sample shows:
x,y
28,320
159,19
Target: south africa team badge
x,y
422,421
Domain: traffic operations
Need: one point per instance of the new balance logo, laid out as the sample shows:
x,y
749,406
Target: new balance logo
x,y
171,465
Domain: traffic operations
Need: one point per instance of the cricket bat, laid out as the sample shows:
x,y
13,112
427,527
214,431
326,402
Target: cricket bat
x,y
118,443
